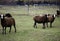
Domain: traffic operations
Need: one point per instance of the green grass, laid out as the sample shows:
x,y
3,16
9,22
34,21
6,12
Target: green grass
x,y
32,9
26,32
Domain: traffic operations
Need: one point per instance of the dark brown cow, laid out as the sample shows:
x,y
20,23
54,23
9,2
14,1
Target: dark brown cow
x,y
40,19
50,18
7,22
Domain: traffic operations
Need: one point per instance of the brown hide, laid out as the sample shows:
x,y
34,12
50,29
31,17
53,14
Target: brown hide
x,y
40,18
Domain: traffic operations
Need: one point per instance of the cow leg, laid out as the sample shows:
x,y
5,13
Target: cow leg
x,y
50,24
15,28
43,25
3,30
35,25
47,24
10,29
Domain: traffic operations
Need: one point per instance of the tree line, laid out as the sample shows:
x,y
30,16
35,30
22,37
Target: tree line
x,y
23,2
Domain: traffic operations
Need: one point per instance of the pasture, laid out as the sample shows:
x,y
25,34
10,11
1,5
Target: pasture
x,y
24,24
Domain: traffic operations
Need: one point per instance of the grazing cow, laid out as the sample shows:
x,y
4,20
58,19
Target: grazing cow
x,y
58,13
7,22
40,19
50,18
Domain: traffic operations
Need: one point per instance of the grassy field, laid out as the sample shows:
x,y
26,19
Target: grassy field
x,y
25,30
32,9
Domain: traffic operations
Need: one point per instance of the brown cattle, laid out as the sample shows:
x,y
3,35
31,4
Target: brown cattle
x,y
40,19
50,19
7,22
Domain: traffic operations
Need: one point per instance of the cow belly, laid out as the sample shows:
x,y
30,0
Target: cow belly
x,y
40,21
